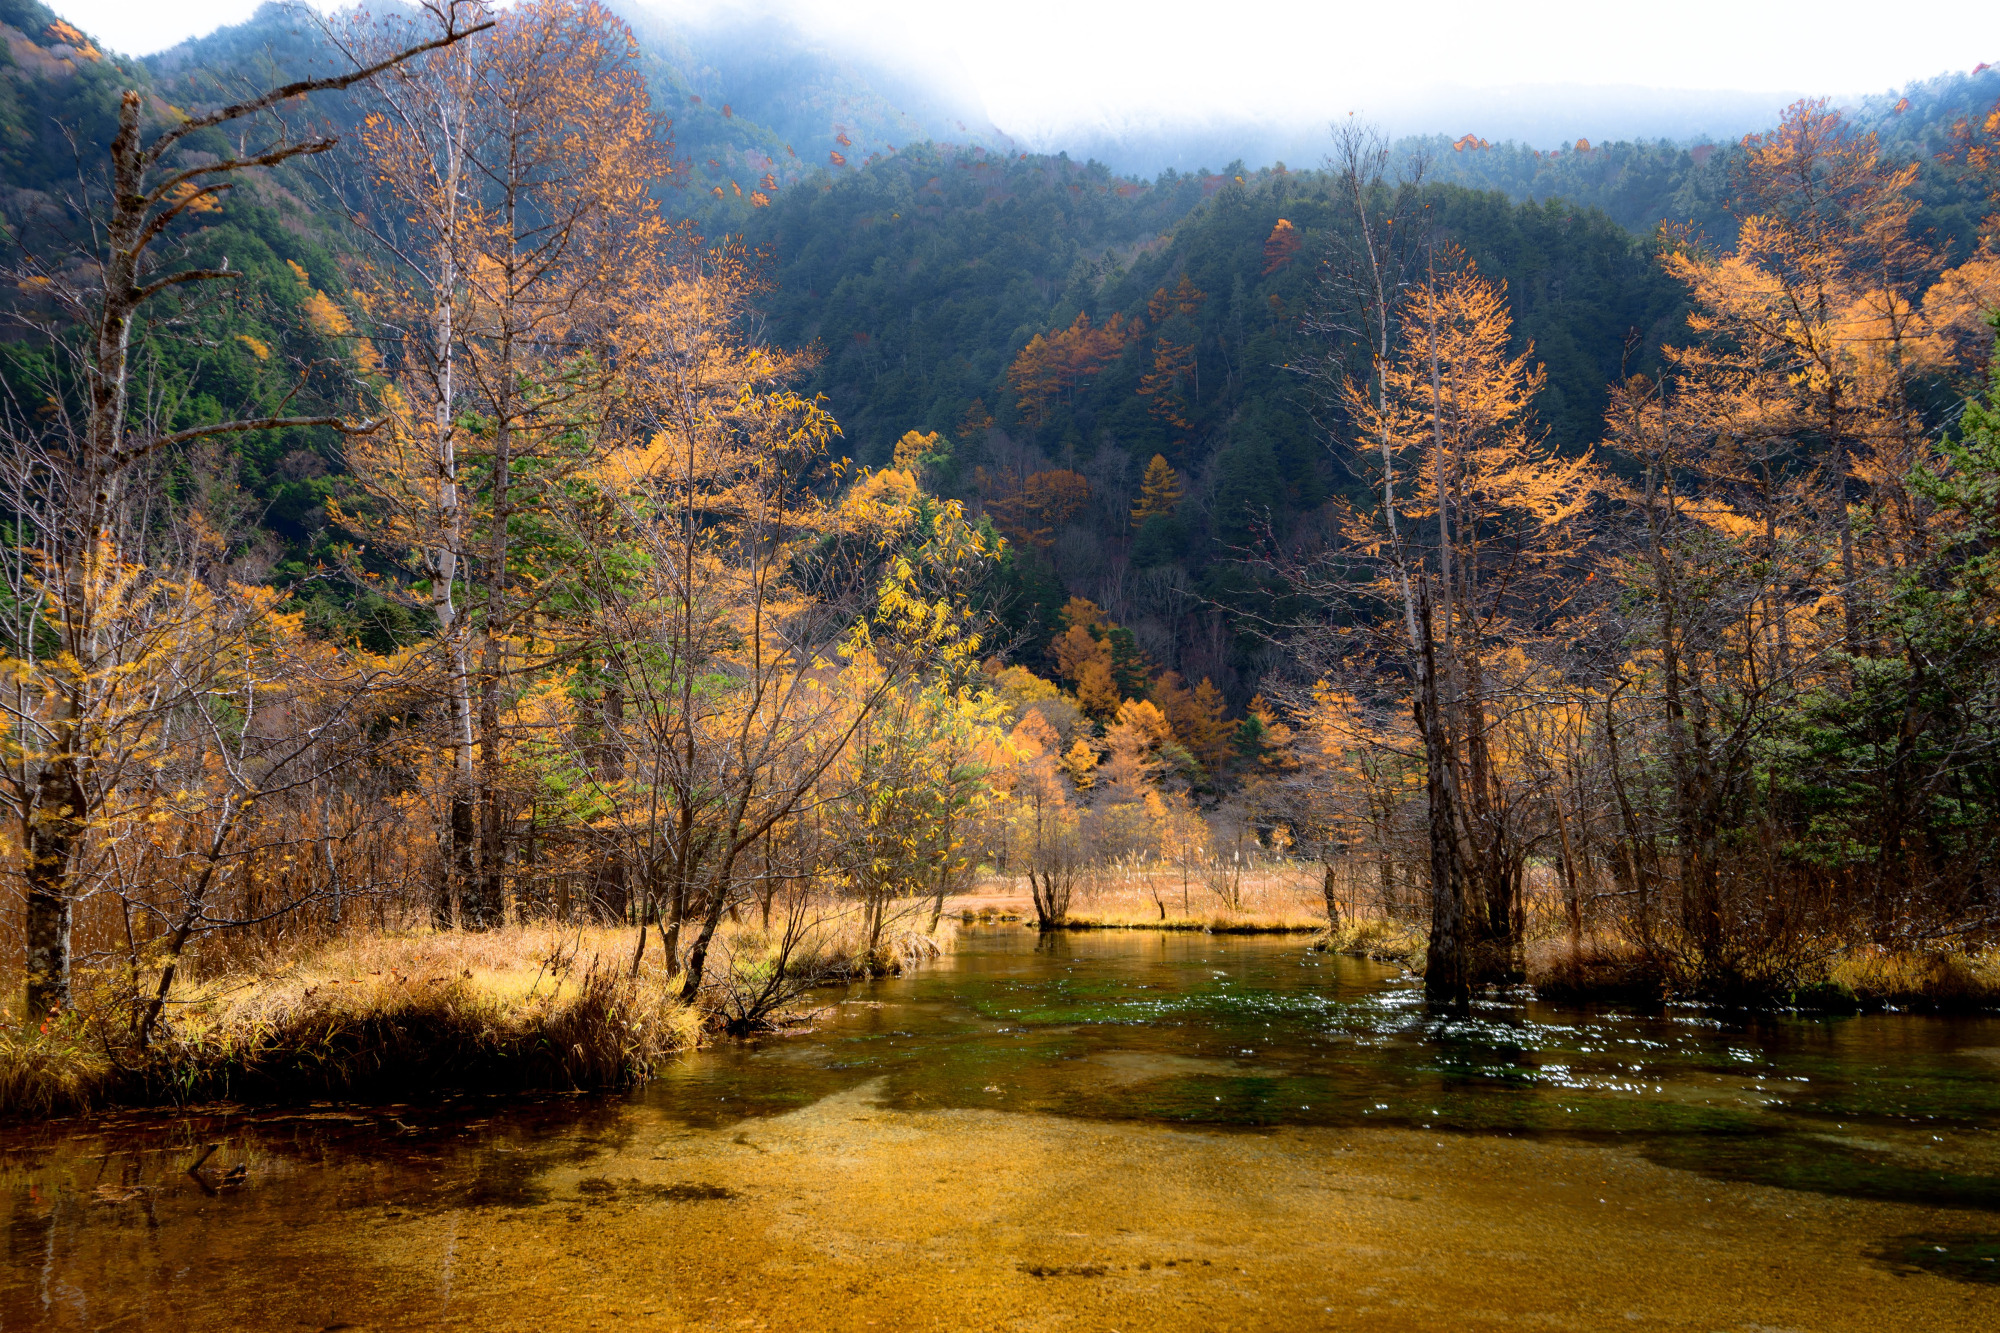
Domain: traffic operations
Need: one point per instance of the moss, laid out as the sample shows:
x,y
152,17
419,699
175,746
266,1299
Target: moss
x,y
1961,1257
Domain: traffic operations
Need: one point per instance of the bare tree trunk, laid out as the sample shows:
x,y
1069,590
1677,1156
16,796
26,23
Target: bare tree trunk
x,y
144,202
697,959
53,844
1572,896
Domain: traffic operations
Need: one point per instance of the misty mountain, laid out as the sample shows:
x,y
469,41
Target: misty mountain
x,y
1531,116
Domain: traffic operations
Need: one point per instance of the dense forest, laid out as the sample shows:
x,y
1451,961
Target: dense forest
x,y
459,476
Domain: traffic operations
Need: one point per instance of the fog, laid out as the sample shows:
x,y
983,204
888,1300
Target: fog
x,y
1077,74
1149,84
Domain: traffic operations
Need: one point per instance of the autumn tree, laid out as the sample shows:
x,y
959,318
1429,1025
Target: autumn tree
x,y
75,465
1159,493
1169,387
1173,383
1815,329
1183,299
756,628
1784,512
914,782
1039,507
514,222
1281,247
1198,718
1054,365
1133,741
1476,524
1100,658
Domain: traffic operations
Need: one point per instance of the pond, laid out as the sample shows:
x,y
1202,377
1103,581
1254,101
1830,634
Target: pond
x,y
1107,1130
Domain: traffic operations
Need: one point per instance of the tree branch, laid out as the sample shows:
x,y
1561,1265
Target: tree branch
x,y
179,437
303,87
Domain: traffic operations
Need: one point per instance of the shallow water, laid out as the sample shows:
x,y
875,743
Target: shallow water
x,y
1111,1130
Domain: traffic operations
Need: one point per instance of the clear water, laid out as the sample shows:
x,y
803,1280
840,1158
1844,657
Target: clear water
x,y
1117,1129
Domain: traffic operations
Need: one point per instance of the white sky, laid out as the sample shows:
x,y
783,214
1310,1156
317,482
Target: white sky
x,y
1040,63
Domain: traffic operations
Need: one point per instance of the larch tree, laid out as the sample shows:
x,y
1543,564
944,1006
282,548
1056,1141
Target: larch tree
x,y
1461,559
1816,328
1159,493
517,227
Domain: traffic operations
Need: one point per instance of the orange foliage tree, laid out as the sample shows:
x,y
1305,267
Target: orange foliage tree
x,y
1281,246
515,227
1043,504
1053,365
1818,325
1463,559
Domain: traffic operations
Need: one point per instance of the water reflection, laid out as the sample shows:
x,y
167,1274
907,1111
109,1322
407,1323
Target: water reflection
x,y
1265,1033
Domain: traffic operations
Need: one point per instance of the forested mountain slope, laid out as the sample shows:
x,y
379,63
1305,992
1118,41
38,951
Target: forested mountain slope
x,y
933,283
922,257
1643,184
278,334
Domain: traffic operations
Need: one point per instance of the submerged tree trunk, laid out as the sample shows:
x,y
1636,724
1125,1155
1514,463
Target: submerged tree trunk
x,y
1447,977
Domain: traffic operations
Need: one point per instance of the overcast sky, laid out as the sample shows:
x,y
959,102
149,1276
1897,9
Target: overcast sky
x,y
1042,63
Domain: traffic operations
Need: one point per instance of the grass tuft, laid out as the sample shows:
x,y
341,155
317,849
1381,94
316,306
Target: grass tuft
x,y
1378,938
404,1016
53,1070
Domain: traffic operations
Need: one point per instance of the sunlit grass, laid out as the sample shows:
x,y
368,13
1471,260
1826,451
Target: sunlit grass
x,y
524,1007
1379,938
1904,977
1266,900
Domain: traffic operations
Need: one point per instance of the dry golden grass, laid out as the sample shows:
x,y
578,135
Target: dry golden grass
x,y
1601,965
373,1015
529,1006
525,1007
51,1070
1268,901
1939,980
1609,965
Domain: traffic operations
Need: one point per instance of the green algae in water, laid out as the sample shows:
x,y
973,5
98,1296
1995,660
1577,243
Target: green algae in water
x,y
1256,1033
1759,1156
1963,1258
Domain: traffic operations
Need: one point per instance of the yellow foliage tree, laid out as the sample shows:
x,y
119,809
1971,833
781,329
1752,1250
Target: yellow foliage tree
x,y
1159,493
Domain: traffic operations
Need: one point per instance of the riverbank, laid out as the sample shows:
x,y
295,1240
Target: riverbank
x,y
1257,902
1603,967
396,1016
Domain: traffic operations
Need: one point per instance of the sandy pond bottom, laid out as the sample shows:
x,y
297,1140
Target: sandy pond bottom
x,y
915,1176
